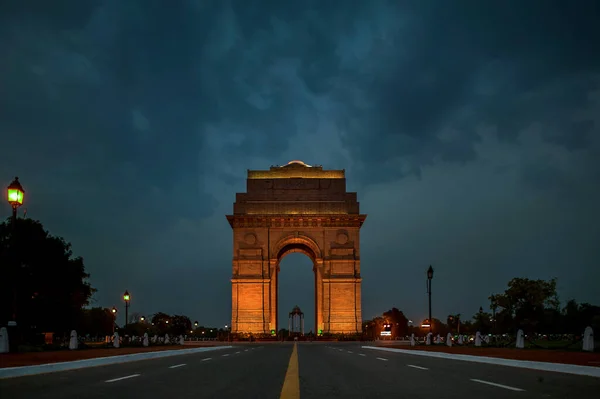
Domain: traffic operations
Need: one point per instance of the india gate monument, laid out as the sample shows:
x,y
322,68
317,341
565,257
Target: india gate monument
x,y
296,208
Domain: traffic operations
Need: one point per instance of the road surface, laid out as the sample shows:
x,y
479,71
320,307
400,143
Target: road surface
x,y
316,370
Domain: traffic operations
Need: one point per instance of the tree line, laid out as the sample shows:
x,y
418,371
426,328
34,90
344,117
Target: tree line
x,y
531,305
47,289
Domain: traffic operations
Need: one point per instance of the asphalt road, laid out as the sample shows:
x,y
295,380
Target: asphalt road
x,y
324,370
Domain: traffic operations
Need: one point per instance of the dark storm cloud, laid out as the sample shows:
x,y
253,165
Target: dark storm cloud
x,y
132,124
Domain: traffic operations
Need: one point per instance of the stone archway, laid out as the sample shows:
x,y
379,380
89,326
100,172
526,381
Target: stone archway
x,y
296,208
302,244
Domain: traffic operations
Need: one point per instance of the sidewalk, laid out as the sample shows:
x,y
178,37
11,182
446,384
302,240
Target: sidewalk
x,y
35,358
537,355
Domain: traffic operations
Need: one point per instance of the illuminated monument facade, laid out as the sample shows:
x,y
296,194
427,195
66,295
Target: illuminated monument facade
x,y
296,208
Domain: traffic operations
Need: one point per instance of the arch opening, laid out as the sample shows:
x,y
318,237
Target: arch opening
x,y
296,287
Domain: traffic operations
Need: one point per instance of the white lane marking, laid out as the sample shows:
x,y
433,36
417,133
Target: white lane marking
x,y
361,354
341,350
245,350
208,358
227,354
417,367
349,351
381,358
123,378
237,352
177,365
498,385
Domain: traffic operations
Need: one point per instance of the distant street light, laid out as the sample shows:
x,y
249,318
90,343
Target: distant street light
x,y
429,278
126,298
196,324
142,319
114,312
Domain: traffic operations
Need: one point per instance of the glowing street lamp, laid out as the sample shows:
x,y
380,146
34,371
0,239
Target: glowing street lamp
x,y
142,319
196,324
127,299
15,195
114,312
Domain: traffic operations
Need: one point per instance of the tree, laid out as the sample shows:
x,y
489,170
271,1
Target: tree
x,y
176,324
524,301
161,322
576,317
97,322
180,325
482,322
453,321
398,321
48,285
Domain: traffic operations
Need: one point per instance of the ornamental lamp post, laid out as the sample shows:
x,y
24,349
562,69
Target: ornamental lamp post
x,y
126,298
15,195
429,278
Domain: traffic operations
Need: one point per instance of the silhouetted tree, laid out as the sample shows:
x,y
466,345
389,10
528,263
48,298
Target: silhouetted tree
x,y
180,325
524,302
97,322
48,285
482,322
576,317
161,322
398,321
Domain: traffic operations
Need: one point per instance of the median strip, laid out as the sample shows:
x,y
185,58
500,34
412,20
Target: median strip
x,y
291,383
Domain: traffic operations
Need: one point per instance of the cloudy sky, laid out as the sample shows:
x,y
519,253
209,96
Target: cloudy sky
x,y
469,129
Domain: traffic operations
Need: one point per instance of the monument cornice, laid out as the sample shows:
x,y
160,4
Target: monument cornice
x,y
280,221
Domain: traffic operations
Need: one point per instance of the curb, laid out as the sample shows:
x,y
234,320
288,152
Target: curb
x,y
589,371
21,371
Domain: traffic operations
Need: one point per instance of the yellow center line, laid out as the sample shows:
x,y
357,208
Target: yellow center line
x,y
291,384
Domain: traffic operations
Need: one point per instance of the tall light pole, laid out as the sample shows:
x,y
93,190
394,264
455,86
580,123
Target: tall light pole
x,y
15,195
429,278
126,298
